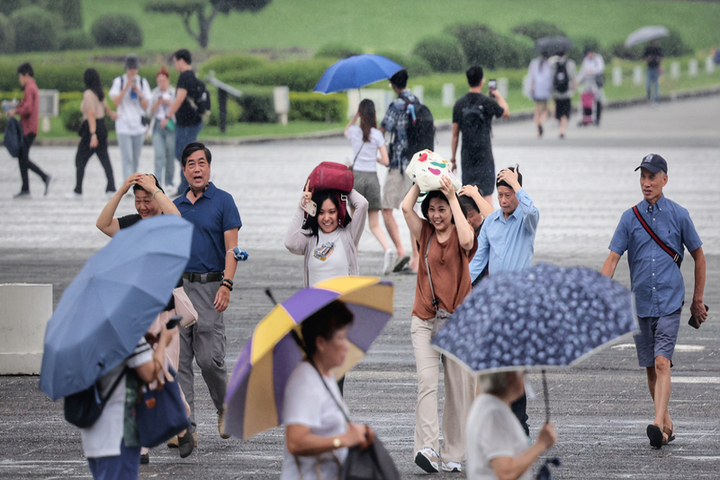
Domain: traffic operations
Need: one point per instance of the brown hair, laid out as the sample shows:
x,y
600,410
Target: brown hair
x,y
163,71
368,119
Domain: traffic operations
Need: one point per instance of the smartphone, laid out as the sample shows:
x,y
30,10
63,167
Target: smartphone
x,y
694,322
173,322
492,85
310,208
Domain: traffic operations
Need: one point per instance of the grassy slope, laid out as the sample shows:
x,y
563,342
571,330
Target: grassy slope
x,y
399,24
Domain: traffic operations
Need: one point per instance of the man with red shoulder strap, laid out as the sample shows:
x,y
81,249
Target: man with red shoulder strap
x,y
655,251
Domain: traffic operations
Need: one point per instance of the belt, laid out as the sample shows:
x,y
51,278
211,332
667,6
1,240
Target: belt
x,y
203,277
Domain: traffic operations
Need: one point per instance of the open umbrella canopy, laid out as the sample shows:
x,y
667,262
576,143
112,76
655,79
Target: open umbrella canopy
x,y
112,302
355,72
646,34
538,317
256,391
554,45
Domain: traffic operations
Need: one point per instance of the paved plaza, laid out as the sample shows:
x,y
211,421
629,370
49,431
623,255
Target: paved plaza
x,y
581,185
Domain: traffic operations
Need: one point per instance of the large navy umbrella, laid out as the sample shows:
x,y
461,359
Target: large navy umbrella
x,y
545,316
355,72
112,302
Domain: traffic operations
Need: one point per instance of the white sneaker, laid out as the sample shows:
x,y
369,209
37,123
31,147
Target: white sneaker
x,y
74,195
427,459
453,467
388,262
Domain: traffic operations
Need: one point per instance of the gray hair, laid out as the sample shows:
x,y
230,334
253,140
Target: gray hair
x,y
495,383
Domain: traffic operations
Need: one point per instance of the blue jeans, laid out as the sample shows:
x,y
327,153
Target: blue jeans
x,y
125,466
163,141
653,84
184,136
130,149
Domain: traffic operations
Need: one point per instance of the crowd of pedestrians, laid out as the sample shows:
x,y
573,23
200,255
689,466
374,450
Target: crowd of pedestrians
x,y
457,240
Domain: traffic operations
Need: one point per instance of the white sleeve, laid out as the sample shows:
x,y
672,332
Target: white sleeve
x,y
142,354
147,93
115,88
377,137
497,439
302,399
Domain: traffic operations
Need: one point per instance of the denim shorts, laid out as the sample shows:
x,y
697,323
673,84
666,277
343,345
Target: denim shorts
x,y
657,338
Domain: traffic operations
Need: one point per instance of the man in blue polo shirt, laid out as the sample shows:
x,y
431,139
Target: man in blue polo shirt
x,y
208,279
506,242
657,283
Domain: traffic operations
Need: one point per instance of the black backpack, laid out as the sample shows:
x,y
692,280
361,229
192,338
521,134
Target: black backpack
x,y
420,128
561,82
199,99
83,408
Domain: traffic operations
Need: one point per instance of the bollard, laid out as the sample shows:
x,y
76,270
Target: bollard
x,y
353,96
637,75
24,312
503,86
709,65
281,96
617,76
448,95
675,70
419,92
693,67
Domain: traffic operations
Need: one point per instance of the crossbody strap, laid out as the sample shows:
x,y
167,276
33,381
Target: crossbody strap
x,y
675,256
357,154
427,266
104,399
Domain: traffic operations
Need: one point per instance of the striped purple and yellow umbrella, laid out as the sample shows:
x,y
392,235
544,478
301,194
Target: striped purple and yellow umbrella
x,y
255,395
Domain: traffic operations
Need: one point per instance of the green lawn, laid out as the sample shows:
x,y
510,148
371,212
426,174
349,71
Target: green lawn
x,y
399,24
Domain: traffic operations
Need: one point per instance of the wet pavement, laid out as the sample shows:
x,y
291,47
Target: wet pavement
x,y
581,186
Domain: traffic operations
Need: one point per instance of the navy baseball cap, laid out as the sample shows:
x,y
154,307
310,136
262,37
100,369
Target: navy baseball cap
x,y
653,163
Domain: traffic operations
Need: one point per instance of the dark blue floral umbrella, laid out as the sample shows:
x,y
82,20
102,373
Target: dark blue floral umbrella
x,y
545,316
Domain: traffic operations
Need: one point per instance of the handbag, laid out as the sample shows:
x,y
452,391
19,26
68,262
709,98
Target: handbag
x,y
161,413
330,176
441,315
184,307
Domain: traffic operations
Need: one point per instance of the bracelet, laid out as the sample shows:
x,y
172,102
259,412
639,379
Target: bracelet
x,y
156,191
226,286
92,133
228,280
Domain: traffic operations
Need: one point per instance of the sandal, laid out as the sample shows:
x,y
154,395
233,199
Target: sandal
x,y
655,435
669,433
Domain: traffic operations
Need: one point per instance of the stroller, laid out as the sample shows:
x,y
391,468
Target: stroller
x,y
587,102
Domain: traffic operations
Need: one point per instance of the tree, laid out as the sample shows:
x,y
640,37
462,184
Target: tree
x,y
204,11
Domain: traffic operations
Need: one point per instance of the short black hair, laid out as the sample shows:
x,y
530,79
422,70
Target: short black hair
x,y
26,69
137,187
467,205
400,79
425,205
474,75
503,183
183,54
324,323
192,148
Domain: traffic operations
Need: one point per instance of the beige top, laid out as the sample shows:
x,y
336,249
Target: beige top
x,y
91,102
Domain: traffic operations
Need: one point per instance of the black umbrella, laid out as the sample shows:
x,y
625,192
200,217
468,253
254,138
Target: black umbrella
x,y
555,45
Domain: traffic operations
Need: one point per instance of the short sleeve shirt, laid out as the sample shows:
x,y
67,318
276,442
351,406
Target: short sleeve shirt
x,y
186,116
365,153
655,279
130,111
212,215
395,122
329,258
128,220
474,113
655,54
307,402
492,431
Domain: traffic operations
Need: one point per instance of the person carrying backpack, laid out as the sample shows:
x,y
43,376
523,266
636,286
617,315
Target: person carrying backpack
x,y
191,105
564,73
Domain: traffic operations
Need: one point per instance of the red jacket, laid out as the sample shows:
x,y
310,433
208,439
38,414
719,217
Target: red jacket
x,y
29,108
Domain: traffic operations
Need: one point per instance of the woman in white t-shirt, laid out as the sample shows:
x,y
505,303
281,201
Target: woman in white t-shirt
x,y
317,435
329,239
496,443
367,142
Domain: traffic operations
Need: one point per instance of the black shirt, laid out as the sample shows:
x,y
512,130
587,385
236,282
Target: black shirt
x,y
653,54
186,116
128,220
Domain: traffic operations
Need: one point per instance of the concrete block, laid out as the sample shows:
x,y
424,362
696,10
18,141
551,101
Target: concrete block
x,y
419,92
503,86
709,65
448,95
675,70
693,67
638,75
617,76
24,312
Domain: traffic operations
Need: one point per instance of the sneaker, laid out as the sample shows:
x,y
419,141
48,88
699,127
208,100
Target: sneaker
x,y
74,195
48,180
400,263
387,262
221,425
427,459
22,195
174,442
186,444
453,467
540,130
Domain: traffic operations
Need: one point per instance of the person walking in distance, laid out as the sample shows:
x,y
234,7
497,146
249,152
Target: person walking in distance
x,y
29,111
208,279
540,74
654,233
564,72
472,116
653,56
163,139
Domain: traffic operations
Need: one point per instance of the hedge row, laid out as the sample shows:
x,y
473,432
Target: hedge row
x,y
298,75
222,64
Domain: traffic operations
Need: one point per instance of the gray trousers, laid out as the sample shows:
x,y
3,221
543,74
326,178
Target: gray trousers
x,y
204,341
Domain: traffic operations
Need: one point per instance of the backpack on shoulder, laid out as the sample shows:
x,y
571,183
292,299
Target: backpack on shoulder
x,y
83,408
420,128
199,99
561,82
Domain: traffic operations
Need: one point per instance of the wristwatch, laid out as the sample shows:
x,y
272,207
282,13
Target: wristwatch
x,y
336,442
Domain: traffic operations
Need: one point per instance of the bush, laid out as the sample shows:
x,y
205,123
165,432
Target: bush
x,y
70,11
673,45
221,64
315,107
442,53
415,66
36,30
71,115
7,35
7,7
337,51
299,75
257,108
3,122
117,31
482,46
233,110
619,50
76,40
538,29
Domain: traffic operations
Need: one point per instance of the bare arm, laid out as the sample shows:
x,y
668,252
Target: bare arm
x,y
466,234
414,222
501,101
454,144
180,95
352,122
106,222
384,158
222,297
697,308
482,204
511,468
149,371
608,268
303,443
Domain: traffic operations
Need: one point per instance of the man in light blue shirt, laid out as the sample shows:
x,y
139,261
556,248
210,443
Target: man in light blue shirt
x,y
507,237
505,242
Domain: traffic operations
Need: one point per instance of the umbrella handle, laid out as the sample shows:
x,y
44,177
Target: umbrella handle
x,y
547,399
268,292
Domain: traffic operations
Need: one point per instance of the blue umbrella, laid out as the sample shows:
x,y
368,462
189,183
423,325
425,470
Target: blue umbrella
x,y
539,317
112,302
355,72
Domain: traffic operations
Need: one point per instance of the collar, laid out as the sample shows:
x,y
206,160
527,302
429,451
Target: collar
x,y
209,193
644,205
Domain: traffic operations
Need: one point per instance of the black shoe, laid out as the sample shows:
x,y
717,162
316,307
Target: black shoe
x,y
186,444
145,458
540,130
48,179
22,195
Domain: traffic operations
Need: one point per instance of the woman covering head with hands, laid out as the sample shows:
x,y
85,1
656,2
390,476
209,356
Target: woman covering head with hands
x,y
367,142
446,243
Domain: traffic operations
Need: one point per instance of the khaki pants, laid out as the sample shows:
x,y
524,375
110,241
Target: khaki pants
x,y
459,395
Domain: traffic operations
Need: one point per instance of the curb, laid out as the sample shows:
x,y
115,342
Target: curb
x,y
441,126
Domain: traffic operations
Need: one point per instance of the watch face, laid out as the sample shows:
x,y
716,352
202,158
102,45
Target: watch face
x,y
336,442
